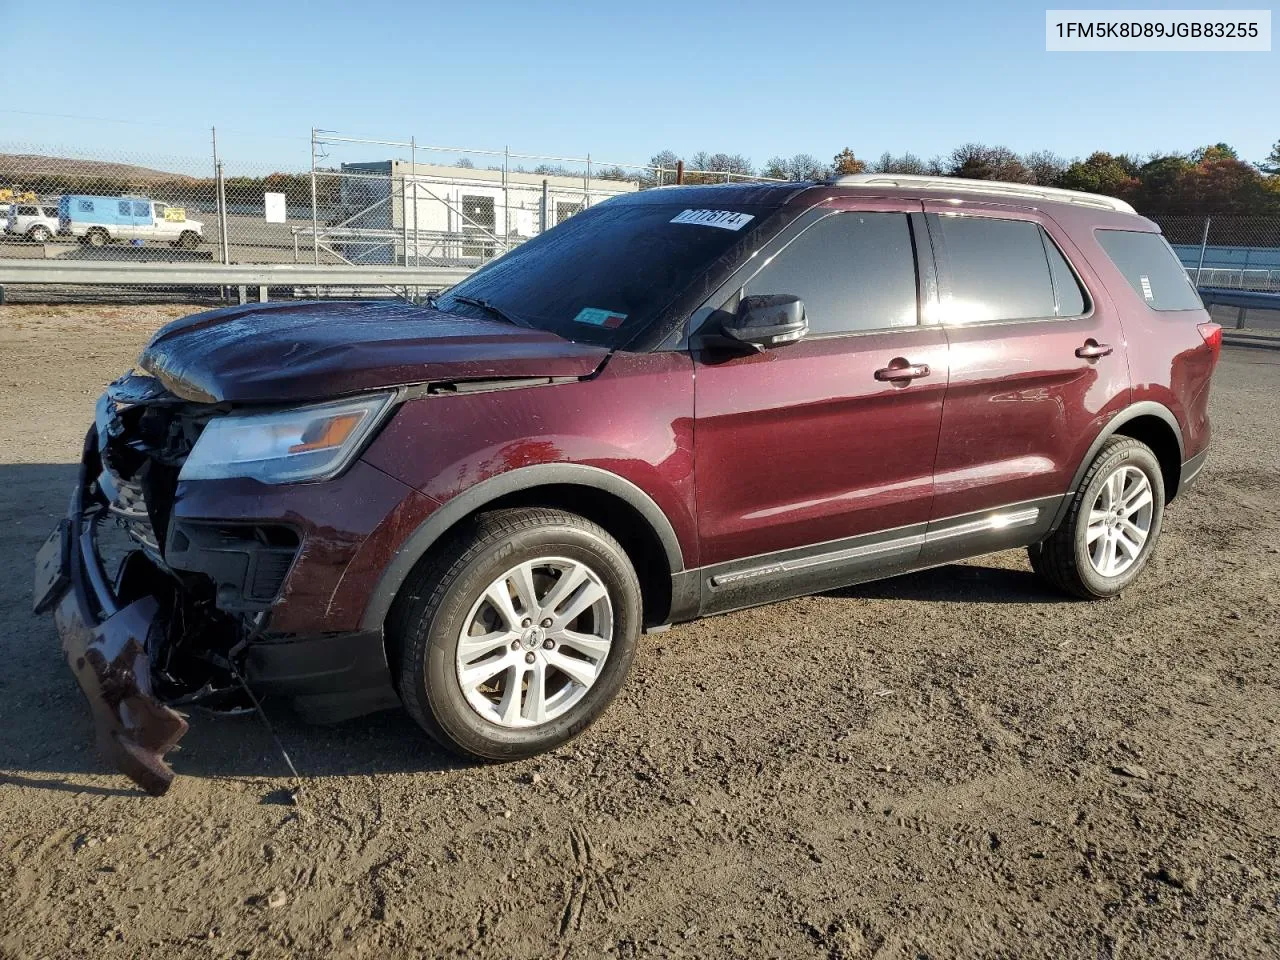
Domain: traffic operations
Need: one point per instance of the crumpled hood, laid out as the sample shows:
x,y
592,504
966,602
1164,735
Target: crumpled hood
x,y
280,353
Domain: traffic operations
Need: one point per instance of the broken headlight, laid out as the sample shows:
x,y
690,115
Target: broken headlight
x,y
284,446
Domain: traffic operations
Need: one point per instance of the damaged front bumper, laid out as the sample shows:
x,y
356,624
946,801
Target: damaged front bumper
x,y
107,646
180,618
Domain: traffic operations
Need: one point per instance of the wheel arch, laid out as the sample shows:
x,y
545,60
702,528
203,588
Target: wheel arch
x,y
619,506
1153,424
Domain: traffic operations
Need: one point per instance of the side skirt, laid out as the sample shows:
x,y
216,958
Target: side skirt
x,y
766,578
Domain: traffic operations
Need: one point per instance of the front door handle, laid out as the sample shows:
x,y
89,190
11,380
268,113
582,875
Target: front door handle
x,y
900,370
1092,350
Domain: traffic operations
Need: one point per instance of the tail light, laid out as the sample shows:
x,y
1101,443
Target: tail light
x,y
1212,333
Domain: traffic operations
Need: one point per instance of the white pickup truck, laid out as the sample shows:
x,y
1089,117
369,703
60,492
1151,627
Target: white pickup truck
x,y
98,221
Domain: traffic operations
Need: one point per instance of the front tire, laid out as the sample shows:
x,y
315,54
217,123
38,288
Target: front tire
x,y
188,241
514,636
39,234
1112,526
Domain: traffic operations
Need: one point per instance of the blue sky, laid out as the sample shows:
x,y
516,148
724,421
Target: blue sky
x,y
621,81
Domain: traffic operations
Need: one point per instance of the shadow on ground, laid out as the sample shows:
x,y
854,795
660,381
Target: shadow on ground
x,y
50,737
957,583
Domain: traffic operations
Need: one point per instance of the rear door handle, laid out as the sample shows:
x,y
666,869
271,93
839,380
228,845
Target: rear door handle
x,y
900,371
1092,350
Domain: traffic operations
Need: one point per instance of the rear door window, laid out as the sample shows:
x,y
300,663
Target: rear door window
x,y
1152,269
854,272
993,269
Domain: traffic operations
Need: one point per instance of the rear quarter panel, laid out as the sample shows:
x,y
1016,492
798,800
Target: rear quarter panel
x,y
1169,362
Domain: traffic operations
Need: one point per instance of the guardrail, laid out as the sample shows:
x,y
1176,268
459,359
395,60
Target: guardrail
x,y
300,278
224,275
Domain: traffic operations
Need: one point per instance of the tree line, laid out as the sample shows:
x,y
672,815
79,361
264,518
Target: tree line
x,y
1207,180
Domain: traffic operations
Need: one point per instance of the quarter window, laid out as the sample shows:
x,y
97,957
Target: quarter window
x,y
124,208
854,271
1067,294
1152,269
141,208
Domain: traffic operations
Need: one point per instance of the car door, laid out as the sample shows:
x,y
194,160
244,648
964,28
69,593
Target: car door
x,y
144,220
122,224
814,460
1037,368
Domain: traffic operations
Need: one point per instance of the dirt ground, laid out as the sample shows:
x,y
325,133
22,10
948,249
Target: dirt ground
x,y
952,764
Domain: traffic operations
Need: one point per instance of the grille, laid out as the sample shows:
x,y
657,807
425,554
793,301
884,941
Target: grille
x,y
269,573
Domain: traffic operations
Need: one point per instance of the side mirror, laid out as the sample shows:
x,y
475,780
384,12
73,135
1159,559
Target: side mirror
x,y
767,321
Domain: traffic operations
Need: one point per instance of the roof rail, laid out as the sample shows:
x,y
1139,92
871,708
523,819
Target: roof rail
x,y
1001,187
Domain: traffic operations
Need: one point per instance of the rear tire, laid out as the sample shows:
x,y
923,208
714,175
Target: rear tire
x,y
97,238
1111,527
39,234
484,677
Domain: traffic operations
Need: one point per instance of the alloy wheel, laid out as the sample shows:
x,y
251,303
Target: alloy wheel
x,y
535,642
1120,521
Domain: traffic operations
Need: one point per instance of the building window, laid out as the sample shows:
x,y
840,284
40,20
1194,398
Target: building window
x,y
566,209
479,219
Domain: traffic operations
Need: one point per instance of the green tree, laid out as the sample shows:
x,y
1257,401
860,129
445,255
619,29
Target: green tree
x,y
1162,185
1103,173
1215,151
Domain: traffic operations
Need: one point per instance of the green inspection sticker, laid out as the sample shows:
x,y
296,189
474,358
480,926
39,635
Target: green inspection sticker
x,y
609,319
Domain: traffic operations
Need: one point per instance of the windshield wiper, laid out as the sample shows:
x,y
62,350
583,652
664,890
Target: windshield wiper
x,y
490,309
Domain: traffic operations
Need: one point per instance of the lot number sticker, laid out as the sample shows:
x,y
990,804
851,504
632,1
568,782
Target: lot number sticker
x,y
724,219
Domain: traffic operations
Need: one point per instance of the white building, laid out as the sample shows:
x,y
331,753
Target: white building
x,y
441,214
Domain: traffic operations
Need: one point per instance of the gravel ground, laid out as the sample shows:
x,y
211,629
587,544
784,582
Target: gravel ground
x,y
956,763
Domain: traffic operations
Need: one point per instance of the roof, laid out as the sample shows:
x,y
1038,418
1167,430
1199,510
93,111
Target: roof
x,y
495,177
709,194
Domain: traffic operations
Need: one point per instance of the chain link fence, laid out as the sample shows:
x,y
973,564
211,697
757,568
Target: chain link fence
x,y
351,203
1235,261
1239,253
385,204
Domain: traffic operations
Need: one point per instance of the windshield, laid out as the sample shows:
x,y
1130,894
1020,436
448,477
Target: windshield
x,y
607,273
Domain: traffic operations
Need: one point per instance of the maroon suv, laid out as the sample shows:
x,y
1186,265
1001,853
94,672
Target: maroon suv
x,y
677,403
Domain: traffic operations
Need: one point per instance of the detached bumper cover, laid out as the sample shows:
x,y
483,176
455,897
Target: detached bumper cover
x,y
110,646
107,647
112,666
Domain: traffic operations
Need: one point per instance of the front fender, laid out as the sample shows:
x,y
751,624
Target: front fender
x,y
476,497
